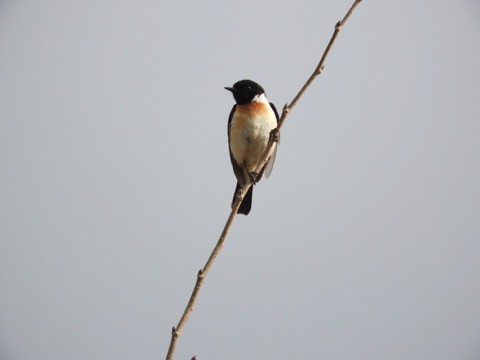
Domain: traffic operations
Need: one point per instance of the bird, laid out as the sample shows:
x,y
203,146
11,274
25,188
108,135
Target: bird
x,y
251,120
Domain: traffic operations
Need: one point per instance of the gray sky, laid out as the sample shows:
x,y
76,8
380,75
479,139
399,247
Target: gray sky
x,y
115,181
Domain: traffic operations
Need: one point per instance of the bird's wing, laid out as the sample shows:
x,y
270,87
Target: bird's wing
x,y
237,169
271,160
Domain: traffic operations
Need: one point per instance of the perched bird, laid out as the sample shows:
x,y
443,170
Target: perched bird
x,y
249,125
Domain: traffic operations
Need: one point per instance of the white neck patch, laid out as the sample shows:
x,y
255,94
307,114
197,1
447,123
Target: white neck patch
x,y
260,98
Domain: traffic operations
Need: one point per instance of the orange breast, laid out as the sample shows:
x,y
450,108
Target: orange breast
x,y
252,109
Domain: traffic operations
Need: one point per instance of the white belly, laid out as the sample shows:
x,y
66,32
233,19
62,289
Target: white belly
x,y
249,134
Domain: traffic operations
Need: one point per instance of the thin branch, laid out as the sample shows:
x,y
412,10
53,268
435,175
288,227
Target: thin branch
x,y
176,331
318,70
201,276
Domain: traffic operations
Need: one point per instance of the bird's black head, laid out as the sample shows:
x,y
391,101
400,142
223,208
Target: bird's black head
x,y
245,90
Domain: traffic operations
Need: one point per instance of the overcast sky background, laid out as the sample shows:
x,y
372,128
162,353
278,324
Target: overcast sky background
x,y
115,181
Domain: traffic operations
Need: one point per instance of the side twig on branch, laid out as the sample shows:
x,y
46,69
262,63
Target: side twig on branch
x,y
202,273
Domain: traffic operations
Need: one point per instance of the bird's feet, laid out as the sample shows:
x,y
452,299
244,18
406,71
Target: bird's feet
x,y
253,177
275,135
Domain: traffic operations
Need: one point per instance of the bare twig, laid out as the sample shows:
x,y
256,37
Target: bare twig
x,y
202,273
318,70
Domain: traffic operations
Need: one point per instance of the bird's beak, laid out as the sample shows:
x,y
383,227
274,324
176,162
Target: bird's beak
x,y
231,89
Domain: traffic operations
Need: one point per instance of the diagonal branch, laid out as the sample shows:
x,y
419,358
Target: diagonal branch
x,y
318,70
176,331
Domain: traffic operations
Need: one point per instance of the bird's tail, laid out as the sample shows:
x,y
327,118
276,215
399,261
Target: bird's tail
x,y
246,204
